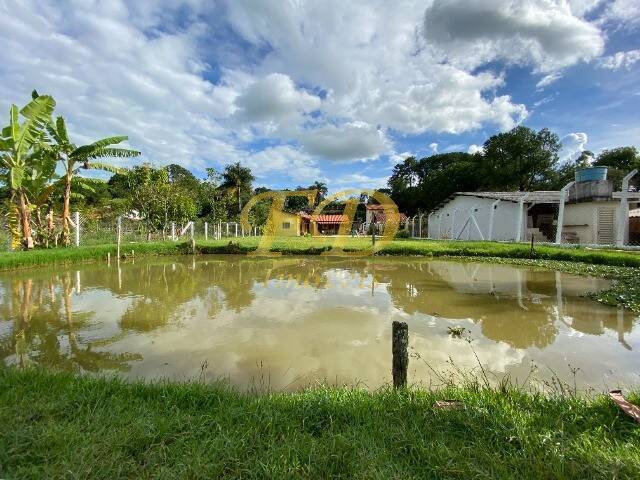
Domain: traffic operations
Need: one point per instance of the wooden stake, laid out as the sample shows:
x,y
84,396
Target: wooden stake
x,y
119,234
400,354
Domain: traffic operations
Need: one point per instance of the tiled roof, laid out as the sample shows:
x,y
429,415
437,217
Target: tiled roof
x,y
374,207
330,218
540,196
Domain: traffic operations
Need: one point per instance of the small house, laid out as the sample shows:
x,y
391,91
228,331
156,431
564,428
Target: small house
x,y
588,210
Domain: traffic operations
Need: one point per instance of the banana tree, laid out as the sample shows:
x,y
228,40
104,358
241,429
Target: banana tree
x,y
17,144
74,158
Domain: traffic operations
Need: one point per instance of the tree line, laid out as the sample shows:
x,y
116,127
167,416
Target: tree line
x,y
41,179
41,182
521,159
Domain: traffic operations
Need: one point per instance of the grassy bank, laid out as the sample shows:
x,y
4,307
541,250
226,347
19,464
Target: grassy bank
x,y
301,245
60,426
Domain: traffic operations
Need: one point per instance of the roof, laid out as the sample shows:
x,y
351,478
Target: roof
x,y
539,196
374,206
324,219
635,212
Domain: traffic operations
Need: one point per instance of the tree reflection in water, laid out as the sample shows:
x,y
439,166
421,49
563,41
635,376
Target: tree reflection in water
x,y
322,315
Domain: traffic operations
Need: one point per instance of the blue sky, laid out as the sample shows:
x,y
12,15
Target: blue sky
x,y
334,91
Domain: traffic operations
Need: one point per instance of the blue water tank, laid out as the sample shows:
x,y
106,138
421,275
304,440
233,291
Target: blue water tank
x,y
592,174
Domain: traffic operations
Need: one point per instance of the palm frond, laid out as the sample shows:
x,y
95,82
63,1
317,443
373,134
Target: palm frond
x,y
86,150
114,152
104,167
38,113
61,127
53,132
14,123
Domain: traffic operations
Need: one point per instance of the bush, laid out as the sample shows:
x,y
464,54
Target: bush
x,y
403,234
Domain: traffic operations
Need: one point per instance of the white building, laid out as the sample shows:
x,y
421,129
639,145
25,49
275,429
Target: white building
x,y
509,216
519,216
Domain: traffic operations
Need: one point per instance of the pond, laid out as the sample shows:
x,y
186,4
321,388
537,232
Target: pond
x,y
285,323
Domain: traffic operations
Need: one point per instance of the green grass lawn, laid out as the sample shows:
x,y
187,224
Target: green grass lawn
x,y
61,426
303,245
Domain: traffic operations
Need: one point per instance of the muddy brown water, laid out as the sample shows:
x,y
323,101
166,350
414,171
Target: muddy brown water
x,y
285,323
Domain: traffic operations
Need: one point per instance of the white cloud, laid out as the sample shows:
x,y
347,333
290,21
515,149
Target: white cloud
x,y
399,157
620,60
544,100
274,98
626,12
283,160
351,141
473,148
548,80
296,83
544,34
367,57
434,147
572,145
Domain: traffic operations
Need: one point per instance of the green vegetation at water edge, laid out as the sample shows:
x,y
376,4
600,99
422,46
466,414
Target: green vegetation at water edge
x,y
327,245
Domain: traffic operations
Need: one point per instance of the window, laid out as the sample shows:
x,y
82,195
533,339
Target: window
x,y
286,225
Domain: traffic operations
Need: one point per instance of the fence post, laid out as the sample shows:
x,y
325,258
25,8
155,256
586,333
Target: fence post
x,y
563,198
227,229
77,215
119,229
173,231
206,231
520,224
623,213
420,225
492,215
429,224
236,228
400,354
193,240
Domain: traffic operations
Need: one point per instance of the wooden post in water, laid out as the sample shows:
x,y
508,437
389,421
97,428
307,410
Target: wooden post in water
x,y
193,240
531,252
400,354
119,234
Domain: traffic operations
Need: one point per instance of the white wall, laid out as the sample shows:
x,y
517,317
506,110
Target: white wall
x,y
504,223
577,215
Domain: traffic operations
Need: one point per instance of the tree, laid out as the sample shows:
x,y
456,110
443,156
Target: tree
x,y
419,185
621,158
321,189
520,159
18,145
72,158
158,201
620,162
238,179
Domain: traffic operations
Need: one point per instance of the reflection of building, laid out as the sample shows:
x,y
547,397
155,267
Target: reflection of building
x,y
590,212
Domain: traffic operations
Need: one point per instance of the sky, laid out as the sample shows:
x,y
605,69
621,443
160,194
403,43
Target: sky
x,y
336,91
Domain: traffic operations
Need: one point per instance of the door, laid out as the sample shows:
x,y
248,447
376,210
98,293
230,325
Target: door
x,y
605,226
